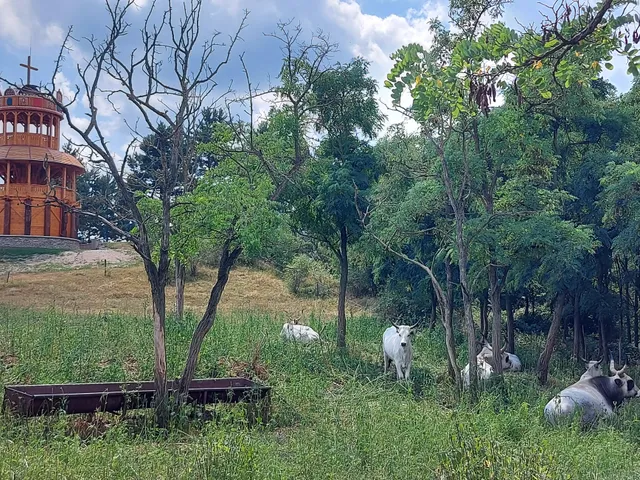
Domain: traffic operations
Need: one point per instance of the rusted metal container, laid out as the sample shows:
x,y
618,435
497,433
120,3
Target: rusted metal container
x,y
33,400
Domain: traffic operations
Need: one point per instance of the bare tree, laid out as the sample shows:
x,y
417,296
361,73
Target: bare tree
x,y
161,78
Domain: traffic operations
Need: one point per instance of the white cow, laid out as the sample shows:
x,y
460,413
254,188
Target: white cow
x,y
299,333
485,362
592,398
510,361
593,368
485,370
396,347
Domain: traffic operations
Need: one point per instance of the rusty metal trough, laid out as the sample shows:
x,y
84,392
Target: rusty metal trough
x,y
34,400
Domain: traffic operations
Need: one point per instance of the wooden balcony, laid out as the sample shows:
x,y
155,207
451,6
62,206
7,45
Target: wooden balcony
x,y
20,190
30,139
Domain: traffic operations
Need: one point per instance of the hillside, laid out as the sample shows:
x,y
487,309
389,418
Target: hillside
x,y
76,281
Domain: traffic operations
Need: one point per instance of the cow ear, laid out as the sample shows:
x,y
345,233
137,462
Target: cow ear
x,y
506,358
618,382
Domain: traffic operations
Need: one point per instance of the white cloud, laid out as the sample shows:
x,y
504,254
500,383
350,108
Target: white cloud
x,y
20,26
231,7
375,38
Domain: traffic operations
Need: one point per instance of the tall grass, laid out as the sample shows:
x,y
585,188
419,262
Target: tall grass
x,y
333,415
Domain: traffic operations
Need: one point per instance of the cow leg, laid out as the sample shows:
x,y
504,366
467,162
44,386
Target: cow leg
x,y
399,371
385,361
406,372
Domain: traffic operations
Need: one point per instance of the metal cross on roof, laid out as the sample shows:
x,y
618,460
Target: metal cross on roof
x,y
29,68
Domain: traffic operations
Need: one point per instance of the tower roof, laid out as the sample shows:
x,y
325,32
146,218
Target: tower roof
x,y
26,152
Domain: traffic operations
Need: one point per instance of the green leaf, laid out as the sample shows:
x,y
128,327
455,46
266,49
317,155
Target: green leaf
x,y
608,66
546,95
388,84
456,112
551,43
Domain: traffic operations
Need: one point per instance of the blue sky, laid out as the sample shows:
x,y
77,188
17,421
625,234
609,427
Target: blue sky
x,y
370,28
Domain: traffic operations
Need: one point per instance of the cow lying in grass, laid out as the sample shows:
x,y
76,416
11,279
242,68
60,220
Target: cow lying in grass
x,y
592,398
486,364
299,333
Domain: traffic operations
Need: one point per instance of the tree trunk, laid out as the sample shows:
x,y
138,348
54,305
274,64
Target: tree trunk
x,y
447,321
457,205
627,302
467,300
603,290
565,328
344,274
484,326
434,308
180,280
636,313
620,300
496,328
227,260
511,341
160,357
545,357
577,325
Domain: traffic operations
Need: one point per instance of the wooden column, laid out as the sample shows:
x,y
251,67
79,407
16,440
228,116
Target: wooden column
x,y
47,219
48,177
64,181
4,128
7,216
74,225
8,180
27,216
29,173
63,221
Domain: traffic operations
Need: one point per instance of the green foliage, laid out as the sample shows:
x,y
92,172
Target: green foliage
x,y
620,200
448,80
231,203
308,277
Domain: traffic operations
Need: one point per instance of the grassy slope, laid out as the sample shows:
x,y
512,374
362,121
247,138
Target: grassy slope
x,y
125,290
334,416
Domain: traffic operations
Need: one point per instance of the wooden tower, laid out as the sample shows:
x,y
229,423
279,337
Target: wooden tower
x,y
37,180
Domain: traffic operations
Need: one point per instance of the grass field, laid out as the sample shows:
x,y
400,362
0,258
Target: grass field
x,y
333,415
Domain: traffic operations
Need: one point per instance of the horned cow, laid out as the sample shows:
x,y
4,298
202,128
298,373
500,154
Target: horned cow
x,y
299,333
593,368
396,347
593,397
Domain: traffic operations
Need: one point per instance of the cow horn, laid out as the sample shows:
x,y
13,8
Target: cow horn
x,y
394,324
414,325
601,360
504,347
621,371
580,357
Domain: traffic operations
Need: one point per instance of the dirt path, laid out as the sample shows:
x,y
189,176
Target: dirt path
x,y
69,260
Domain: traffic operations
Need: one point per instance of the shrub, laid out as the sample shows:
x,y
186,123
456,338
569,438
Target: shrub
x,y
308,277
361,283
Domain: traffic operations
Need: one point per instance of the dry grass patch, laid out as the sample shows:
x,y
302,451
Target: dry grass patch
x,y
125,290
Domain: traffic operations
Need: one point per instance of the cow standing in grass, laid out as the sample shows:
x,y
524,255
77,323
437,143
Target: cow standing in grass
x,y
396,347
